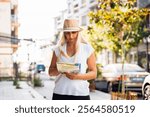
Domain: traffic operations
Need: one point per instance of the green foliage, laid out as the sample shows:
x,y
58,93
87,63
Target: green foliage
x,y
99,70
37,82
18,86
15,82
117,26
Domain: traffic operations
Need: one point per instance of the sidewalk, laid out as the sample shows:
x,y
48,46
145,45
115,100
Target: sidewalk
x,y
98,95
9,92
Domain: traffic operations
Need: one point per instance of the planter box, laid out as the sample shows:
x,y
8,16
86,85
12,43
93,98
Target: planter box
x,y
124,96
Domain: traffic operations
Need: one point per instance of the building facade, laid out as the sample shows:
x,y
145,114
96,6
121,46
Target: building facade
x,y
141,54
8,36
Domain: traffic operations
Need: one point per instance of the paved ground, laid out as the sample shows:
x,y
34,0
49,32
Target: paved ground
x,y
47,91
9,92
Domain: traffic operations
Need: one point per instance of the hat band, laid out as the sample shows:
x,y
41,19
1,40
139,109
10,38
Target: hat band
x,y
72,28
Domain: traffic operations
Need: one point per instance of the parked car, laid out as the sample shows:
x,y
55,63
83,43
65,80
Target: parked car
x,y
40,68
146,88
112,75
36,68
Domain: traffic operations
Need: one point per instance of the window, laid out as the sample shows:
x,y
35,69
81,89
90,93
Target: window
x,y
83,1
148,21
91,1
84,20
76,9
76,6
69,8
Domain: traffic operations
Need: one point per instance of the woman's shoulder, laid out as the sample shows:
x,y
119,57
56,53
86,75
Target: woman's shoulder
x,y
55,48
86,46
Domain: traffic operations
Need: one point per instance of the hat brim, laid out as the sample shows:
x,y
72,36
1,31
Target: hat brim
x,y
72,29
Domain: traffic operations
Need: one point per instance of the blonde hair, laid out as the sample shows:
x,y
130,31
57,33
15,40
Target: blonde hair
x,y
80,39
62,41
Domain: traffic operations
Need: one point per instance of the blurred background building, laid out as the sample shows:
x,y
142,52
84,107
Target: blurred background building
x,y
8,35
80,9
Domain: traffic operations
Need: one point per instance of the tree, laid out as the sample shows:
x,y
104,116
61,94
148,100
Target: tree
x,y
117,26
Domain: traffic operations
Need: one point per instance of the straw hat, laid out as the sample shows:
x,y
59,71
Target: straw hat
x,y
71,25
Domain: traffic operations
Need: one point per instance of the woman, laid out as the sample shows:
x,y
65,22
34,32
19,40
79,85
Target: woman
x,y
72,48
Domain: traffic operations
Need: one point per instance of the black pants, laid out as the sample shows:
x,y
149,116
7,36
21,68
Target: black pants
x,y
69,97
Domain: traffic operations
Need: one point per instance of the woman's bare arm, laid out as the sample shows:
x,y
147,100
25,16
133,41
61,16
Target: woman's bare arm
x,y
53,68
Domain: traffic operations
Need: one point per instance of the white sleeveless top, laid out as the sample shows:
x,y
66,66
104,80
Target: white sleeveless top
x,y
64,85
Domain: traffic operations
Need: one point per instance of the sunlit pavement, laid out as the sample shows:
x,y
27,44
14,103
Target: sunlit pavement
x,y
27,92
9,92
